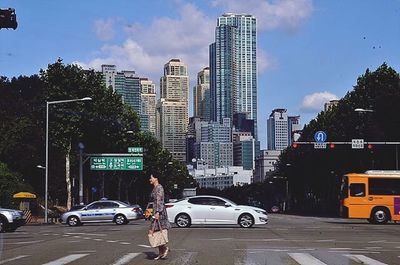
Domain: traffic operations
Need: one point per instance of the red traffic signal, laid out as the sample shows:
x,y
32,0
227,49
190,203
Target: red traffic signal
x,y
370,146
331,146
294,145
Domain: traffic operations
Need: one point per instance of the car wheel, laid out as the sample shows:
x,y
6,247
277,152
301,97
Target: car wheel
x,y
182,220
120,219
246,220
380,215
2,225
73,221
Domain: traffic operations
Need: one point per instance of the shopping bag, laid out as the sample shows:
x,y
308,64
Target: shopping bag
x,y
158,238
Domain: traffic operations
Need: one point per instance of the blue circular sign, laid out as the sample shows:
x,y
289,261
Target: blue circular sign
x,y
94,189
320,137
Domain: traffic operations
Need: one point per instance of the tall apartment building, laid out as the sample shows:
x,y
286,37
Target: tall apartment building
x,y
282,129
124,83
148,105
245,150
172,109
233,68
215,145
201,95
277,126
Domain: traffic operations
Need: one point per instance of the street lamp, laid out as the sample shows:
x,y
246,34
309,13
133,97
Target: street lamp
x,y
48,103
363,110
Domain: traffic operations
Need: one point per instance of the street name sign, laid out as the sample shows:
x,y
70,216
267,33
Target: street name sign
x,y
135,149
116,163
319,145
320,136
357,143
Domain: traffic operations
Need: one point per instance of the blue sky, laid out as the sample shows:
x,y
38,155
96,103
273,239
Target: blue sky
x,y
308,51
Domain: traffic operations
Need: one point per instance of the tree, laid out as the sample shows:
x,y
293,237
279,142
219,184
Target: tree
x,y
10,183
314,175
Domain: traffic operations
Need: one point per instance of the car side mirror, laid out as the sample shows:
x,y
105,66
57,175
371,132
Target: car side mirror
x,y
227,205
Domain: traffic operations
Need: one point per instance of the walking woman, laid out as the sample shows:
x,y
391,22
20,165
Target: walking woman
x,y
159,213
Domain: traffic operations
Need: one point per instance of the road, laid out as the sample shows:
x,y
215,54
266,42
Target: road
x,y
285,240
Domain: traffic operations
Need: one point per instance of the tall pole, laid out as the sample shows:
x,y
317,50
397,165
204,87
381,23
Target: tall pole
x,y
47,164
80,175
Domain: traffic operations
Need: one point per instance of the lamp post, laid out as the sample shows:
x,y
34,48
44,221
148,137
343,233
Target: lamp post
x,y
48,103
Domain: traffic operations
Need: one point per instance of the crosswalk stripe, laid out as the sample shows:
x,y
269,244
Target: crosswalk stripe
x,y
125,259
12,259
305,259
66,259
365,260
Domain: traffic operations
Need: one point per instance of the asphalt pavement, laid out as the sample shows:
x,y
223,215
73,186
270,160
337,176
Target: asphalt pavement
x,y
285,240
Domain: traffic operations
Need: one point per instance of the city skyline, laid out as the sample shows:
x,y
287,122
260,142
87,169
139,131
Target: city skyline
x,y
309,52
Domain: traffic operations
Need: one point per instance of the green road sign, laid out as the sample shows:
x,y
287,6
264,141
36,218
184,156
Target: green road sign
x,y
135,149
116,163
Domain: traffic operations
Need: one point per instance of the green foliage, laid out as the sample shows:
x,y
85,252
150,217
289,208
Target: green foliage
x,y
314,175
10,183
101,125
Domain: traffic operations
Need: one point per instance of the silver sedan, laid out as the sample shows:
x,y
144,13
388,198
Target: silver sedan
x,y
103,211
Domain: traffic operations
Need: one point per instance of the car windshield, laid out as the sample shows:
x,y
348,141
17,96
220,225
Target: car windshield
x,y
231,202
123,203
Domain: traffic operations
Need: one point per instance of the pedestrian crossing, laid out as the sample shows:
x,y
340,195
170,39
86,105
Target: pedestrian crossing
x,y
186,257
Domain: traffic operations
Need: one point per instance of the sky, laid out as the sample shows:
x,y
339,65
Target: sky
x,y
309,52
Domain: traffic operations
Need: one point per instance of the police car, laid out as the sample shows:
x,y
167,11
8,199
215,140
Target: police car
x,y
103,211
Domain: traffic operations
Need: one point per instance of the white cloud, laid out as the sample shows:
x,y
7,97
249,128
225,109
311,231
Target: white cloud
x,y
187,36
104,29
281,14
315,102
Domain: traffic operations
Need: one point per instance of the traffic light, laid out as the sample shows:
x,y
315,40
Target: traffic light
x,y
370,146
332,146
8,19
294,145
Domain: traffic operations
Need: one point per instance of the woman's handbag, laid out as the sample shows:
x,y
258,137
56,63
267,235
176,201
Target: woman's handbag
x,y
158,238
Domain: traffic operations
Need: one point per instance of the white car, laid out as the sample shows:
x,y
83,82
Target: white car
x,y
214,210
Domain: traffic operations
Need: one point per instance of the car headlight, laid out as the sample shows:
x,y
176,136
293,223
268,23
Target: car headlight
x,y
261,212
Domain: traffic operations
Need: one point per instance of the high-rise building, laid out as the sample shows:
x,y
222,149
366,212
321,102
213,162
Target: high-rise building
x,y
139,93
282,129
233,68
331,104
215,146
277,126
148,106
172,109
201,95
245,150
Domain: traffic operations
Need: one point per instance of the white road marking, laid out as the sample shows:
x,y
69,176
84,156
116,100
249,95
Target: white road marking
x,y
86,234
377,241
305,259
145,246
25,242
365,260
98,239
124,243
125,259
12,259
66,259
339,248
325,240
222,239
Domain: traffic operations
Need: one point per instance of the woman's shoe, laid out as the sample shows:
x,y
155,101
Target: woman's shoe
x,y
158,257
164,255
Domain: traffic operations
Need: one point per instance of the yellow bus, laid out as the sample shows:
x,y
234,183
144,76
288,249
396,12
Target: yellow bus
x,y
373,195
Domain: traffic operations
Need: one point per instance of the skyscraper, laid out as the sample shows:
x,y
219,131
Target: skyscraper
x,y
172,109
148,106
233,69
201,95
282,129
